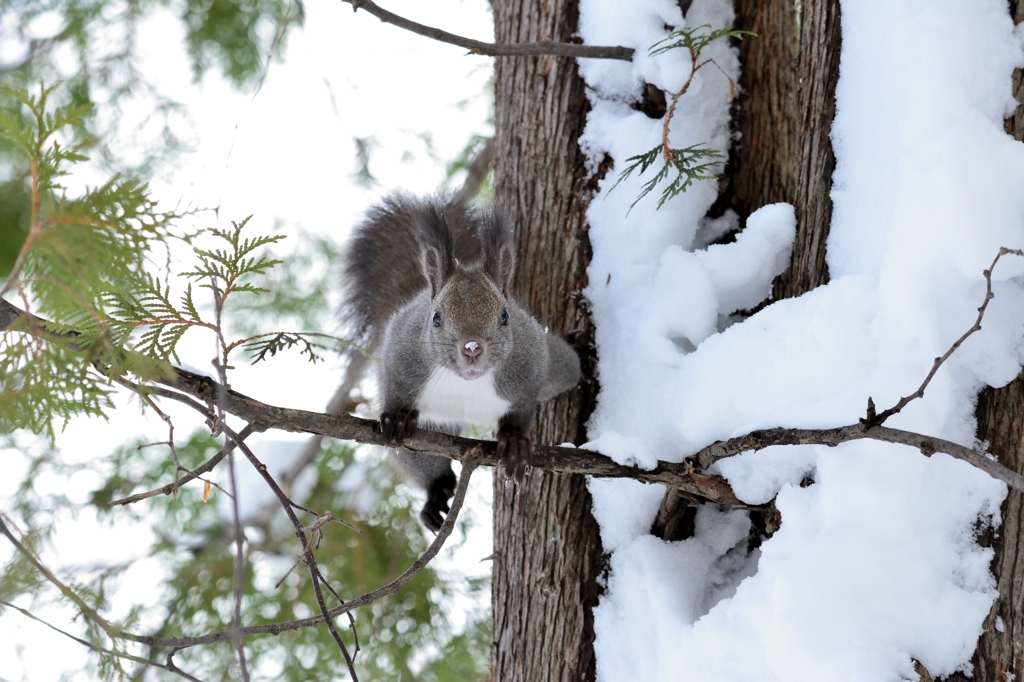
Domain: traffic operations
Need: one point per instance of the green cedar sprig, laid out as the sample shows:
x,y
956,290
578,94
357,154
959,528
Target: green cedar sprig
x,y
695,162
695,39
691,164
222,270
258,347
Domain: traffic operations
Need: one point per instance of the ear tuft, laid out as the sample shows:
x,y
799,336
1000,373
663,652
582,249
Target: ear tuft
x,y
435,240
495,233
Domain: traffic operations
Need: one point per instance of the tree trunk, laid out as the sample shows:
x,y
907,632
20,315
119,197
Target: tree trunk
x,y
785,116
1000,654
547,552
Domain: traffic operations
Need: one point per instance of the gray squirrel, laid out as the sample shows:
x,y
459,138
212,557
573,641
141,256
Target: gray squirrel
x,y
428,289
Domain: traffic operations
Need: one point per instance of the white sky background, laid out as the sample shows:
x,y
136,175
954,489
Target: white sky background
x,y
286,156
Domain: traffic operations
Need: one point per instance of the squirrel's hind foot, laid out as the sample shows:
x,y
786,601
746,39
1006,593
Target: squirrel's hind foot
x,y
438,494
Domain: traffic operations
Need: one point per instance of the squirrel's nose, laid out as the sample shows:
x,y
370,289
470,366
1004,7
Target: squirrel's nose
x,y
472,349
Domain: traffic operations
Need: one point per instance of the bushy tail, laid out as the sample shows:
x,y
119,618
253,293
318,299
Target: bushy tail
x,y
383,269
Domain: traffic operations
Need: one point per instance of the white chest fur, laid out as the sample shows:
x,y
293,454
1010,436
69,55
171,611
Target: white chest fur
x,y
447,398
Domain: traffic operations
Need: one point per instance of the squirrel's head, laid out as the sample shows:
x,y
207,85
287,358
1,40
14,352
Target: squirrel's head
x,y
470,328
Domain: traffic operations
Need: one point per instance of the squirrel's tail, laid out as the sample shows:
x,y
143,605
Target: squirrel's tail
x,y
382,268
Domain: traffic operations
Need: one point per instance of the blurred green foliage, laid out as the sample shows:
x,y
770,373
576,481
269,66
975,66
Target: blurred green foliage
x,y
84,250
75,272
91,45
197,549
403,637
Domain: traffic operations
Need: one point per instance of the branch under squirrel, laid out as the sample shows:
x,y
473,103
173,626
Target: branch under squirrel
x,y
703,487
698,486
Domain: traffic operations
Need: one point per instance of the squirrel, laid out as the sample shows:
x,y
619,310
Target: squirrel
x,y
428,290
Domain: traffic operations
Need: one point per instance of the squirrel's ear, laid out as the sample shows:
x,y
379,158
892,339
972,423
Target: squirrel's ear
x,y
435,241
495,234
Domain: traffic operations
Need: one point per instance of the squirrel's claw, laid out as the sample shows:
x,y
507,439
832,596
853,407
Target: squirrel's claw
x,y
397,426
516,449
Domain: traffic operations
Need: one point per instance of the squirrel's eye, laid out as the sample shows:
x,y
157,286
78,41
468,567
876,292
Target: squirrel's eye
x,y
504,317
436,318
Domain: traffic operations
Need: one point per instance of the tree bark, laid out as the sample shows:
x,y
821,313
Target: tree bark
x,y
1000,653
547,551
785,117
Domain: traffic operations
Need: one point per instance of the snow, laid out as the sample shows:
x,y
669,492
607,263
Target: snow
x,y
875,562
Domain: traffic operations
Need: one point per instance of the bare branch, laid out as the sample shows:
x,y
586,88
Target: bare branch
x,y
84,609
544,47
695,485
391,588
338,404
919,393
476,172
314,570
120,654
928,446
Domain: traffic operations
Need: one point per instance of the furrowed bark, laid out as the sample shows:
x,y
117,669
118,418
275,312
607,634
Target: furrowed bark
x,y
547,551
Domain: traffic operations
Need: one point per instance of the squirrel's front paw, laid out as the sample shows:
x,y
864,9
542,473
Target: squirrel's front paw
x,y
516,449
438,494
397,426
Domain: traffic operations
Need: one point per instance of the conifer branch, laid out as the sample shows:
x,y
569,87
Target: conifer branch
x,y
696,161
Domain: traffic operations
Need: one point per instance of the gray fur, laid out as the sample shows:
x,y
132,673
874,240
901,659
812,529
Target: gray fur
x,y
428,282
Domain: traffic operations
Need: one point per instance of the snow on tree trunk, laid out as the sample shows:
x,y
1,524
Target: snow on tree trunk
x,y
784,115
547,551
1000,413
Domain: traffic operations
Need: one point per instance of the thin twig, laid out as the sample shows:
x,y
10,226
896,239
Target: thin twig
x,y
220,361
300,533
391,588
87,611
315,533
120,654
544,47
919,393
338,404
666,149
203,468
170,441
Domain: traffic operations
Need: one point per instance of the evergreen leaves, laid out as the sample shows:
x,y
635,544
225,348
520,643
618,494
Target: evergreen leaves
x,y
32,137
222,270
85,272
690,164
695,39
258,347
696,162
